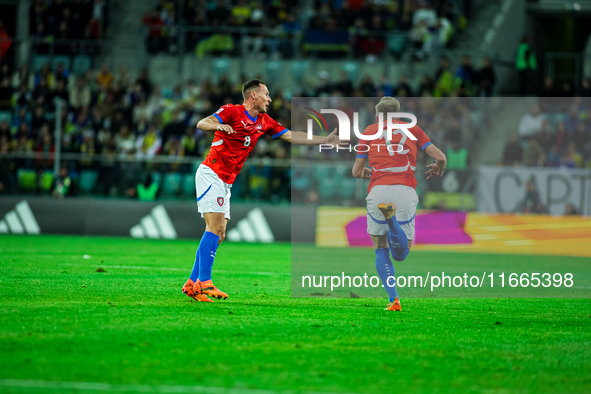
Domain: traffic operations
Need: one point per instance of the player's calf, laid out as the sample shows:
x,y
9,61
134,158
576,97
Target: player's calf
x,y
398,248
386,272
397,241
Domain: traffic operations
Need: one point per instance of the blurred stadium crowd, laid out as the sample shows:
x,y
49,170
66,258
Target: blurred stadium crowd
x,y
464,81
108,116
325,28
122,134
123,127
62,22
555,133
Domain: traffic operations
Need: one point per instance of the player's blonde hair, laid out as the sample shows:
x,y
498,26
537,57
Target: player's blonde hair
x,y
387,104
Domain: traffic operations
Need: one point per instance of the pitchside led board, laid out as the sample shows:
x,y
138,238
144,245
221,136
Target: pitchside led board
x,y
517,184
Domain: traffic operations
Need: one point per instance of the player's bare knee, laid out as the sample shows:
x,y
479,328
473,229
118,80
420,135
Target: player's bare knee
x,y
379,241
217,229
222,237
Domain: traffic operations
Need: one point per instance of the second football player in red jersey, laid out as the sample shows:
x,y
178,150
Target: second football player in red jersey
x,y
391,196
237,129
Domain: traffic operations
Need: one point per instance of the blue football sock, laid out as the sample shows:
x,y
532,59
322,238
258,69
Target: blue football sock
x,y
386,269
206,252
195,272
397,241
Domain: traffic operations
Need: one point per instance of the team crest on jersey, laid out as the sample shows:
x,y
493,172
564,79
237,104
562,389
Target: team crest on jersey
x,y
221,201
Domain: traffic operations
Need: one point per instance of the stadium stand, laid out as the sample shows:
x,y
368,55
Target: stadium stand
x,y
117,130
107,115
282,30
66,29
558,136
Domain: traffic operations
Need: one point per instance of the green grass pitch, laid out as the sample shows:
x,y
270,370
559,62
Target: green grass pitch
x,y
64,327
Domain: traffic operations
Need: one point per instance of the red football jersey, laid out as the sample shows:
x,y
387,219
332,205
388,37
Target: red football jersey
x,y
229,151
393,162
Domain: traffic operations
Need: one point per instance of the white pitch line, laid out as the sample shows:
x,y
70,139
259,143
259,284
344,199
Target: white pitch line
x,y
136,388
137,267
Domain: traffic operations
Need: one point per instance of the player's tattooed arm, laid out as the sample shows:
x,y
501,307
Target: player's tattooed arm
x,y
301,138
211,123
437,168
359,169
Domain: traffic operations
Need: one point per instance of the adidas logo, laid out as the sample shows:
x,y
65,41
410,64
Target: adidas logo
x,y
253,228
157,224
20,220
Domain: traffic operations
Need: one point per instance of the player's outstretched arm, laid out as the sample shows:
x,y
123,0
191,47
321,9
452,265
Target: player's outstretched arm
x,y
359,169
437,168
301,138
211,123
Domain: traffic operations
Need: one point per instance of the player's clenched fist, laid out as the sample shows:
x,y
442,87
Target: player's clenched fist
x,y
226,128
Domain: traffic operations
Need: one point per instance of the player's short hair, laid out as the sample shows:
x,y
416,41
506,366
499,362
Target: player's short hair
x,y
251,85
388,104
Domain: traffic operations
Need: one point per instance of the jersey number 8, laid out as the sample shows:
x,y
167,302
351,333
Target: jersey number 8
x,y
247,140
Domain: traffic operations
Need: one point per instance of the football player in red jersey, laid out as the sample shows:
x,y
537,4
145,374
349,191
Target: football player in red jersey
x,y
391,195
237,129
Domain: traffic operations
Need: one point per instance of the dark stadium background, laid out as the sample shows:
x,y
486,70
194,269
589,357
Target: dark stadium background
x,y
186,58
99,101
